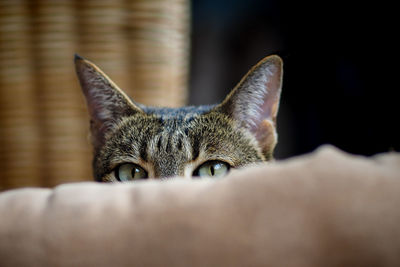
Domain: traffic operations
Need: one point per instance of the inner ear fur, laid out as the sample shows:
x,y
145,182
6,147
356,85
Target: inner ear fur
x,y
106,102
254,102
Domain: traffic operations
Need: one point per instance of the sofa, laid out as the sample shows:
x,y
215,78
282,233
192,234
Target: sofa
x,y
326,208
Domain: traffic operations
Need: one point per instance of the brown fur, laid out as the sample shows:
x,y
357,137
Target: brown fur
x,y
170,142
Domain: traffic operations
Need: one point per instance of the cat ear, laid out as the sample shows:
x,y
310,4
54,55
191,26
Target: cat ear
x,y
106,103
254,102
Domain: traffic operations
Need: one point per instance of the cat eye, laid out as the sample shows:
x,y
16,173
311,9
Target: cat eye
x,y
213,168
129,172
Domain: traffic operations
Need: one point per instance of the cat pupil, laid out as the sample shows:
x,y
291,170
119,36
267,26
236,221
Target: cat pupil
x,y
212,170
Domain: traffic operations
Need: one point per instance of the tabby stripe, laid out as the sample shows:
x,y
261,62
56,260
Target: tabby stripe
x,y
143,150
195,148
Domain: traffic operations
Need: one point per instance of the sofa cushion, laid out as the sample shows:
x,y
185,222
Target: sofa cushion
x,y
327,208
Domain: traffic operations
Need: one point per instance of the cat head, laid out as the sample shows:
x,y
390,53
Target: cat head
x,y
133,141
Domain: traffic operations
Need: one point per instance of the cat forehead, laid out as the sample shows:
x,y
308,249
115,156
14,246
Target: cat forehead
x,y
177,113
155,120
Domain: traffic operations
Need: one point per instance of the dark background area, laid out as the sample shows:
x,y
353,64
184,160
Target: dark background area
x,y
339,67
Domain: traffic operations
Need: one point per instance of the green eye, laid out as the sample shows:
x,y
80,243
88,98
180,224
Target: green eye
x,y
130,171
213,168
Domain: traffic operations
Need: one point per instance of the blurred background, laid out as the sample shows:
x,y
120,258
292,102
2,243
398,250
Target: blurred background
x,y
339,71
338,88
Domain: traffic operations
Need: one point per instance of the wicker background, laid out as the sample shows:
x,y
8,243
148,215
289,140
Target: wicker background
x,y
141,44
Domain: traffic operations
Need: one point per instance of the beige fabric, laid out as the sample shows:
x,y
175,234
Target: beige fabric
x,y
323,209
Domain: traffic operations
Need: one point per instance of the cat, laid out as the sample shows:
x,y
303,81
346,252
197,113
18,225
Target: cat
x,y
132,141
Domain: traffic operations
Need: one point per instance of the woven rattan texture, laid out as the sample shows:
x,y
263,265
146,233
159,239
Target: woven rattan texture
x,y
141,45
